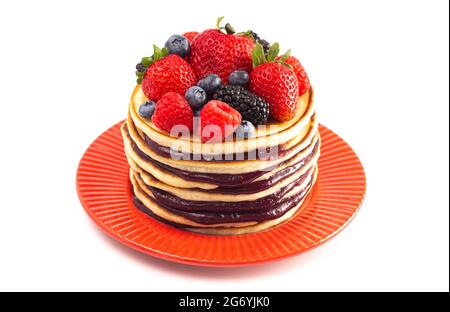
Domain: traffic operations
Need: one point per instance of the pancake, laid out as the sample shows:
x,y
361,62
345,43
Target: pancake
x,y
227,188
174,216
236,167
149,203
275,134
261,153
251,182
262,204
193,194
237,230
188,179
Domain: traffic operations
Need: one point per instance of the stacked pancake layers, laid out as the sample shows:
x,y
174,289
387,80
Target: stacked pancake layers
x,y
227,188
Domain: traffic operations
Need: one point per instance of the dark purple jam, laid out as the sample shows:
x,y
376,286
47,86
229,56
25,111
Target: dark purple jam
x,y
226,181
167,200
207,218
262,154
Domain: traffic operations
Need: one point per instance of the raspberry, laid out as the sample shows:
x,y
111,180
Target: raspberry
x,y
221,115
172,110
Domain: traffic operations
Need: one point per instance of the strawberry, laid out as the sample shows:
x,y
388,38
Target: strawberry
x,y
215,52
217,121
190,35
300,73
167,73
275,82
173,110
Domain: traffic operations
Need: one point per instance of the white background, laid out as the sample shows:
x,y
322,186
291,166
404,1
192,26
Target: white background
x,y
380,71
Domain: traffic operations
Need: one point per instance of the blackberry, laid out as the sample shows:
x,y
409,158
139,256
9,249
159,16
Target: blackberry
x,y
141,68
265,44
140,72
252,107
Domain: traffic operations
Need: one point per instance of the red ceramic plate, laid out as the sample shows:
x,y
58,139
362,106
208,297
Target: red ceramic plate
x,y
105,193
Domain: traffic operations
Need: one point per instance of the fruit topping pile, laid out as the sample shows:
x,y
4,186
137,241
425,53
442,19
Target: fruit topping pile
x,y
234,82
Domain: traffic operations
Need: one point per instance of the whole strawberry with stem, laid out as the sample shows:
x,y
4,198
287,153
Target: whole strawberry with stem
x,y
221,51
275,81
167,73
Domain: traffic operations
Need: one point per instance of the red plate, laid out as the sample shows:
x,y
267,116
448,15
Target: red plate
x,y
105,193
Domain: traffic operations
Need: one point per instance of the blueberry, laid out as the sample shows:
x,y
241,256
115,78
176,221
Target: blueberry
x,y
147,109
238,78
245,130
196,97
178,44
210,83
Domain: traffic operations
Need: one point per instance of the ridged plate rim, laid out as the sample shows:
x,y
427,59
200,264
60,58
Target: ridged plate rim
x,y
105,193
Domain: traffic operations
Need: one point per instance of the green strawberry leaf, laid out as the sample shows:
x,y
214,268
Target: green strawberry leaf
x,y
147,61
285,64
288,65
219,20
164,52
258,55
157,53
285,56
255,58
248,34
273,52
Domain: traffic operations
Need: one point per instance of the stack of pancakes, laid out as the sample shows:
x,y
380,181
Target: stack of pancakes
x,y
226,188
